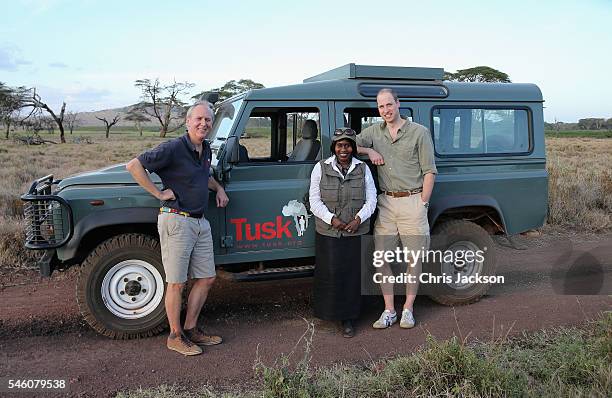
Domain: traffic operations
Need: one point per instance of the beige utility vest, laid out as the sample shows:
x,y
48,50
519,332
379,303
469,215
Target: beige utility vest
x,y
343,197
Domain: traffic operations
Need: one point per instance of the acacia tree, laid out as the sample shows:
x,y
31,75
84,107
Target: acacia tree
x,y
38,123
5,97
11,102
591,123
47,123
32,100
557,125
478,74
163,103
72,120
232,88
109,124
136,116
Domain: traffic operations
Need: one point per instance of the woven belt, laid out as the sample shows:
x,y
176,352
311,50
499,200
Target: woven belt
x,y
404,193
180,213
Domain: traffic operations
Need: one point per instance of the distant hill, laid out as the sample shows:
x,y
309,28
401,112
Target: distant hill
x,y
88,119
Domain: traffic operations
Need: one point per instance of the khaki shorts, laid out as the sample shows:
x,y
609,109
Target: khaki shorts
x,y
402,222
186,247
405,216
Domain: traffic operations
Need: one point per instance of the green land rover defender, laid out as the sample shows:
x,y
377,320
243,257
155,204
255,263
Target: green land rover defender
x,y
492,179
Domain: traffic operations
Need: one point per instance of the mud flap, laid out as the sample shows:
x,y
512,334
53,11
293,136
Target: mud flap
x,y
48,262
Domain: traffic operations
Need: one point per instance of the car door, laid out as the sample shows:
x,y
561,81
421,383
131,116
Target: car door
x,y
268,217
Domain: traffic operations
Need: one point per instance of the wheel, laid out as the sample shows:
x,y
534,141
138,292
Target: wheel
x,y
455,236
120,287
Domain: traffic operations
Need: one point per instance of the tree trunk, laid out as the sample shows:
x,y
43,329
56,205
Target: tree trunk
x,y
60,123
107,131
58,120
166,122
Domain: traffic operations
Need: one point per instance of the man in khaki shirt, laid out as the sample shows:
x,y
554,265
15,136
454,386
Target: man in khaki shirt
x,y
403,152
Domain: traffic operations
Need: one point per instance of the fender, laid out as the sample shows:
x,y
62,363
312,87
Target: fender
x,y
439,206
112,217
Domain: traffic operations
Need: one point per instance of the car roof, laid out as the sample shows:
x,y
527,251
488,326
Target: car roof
x,y
346,83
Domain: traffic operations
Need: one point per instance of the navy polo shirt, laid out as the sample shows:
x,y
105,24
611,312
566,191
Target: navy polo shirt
x,y
183,171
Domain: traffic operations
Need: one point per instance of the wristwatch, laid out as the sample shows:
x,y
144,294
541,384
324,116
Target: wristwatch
x,y
426,204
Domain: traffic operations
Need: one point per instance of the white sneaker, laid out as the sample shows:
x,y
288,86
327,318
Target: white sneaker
x,y
407,320
387,318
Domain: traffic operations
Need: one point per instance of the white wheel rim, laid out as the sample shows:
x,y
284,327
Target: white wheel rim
x,y
470,268
132,289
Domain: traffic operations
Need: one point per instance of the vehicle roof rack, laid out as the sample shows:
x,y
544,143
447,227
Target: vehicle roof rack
x,y
353,71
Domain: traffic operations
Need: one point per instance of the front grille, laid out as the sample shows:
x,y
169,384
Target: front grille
x,y
47,224
48,217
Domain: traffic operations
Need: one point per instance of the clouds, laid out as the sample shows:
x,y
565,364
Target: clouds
x,y
60,65
11,59
62,43
77,97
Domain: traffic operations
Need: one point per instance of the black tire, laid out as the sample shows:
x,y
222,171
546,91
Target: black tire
x,y
126,257
459,233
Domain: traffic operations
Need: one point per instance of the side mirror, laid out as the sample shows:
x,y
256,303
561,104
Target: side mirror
x,y
233,150
229,156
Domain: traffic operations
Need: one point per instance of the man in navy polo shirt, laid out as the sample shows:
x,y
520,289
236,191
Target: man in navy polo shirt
x,y
183,164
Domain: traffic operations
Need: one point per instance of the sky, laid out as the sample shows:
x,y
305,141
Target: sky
x,y
89,53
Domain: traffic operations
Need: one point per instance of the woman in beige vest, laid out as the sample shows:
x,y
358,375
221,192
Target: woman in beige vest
x,y
342,198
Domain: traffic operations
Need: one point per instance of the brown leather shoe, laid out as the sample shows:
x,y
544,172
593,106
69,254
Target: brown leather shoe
x,y
183,345
200,338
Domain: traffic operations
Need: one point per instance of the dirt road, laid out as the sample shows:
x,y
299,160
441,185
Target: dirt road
x,y
42,335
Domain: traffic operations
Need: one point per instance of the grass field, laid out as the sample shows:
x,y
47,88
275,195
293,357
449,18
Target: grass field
x,y
580,183
23,164
96,131
580,179
579,134
566,362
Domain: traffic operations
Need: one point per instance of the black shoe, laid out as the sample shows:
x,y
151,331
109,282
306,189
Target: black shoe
x,y
348,330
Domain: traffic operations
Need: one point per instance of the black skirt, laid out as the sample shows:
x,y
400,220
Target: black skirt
x,y
337,278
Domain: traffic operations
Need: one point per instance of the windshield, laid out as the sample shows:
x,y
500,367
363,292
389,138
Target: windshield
x,y
225,117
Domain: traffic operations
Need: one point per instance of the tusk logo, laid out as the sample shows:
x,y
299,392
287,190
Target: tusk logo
x,y
300,215
277,229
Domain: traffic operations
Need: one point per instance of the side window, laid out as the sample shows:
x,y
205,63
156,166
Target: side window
x,y
475,131
255,140
281,135
295,128
361,118
256,137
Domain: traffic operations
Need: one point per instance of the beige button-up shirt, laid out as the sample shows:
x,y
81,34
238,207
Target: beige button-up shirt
x,y
407,159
